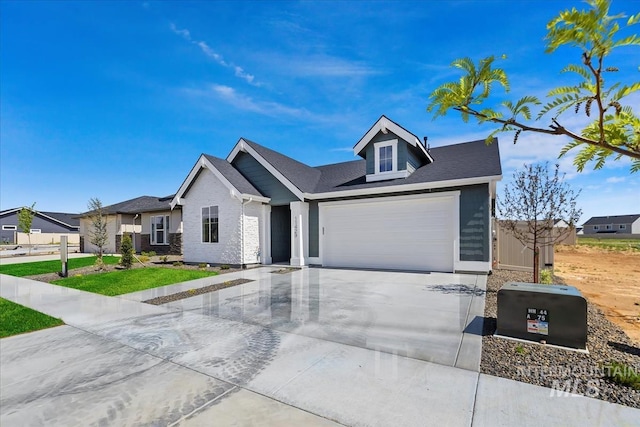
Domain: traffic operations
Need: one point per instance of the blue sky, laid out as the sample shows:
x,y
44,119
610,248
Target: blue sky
x,y
118,99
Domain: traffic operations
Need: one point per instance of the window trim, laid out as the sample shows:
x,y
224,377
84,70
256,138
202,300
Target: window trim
x,y
165,230
217,222
394,172
393,143
596,227
608,227
622,226
35,231
9,228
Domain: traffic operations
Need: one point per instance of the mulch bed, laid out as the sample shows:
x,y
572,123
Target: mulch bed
x,y
193,292
548,366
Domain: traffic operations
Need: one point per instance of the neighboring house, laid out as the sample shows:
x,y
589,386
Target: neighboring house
x,y
153,225
621,224
50,224
402,206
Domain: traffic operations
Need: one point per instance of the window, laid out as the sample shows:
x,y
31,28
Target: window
x,y
596,227
210,224
622,226
160,230
608,226
35,231
10,227
385,157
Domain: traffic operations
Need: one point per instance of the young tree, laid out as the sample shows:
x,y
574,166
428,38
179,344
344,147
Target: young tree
x,y
98,235
613,129
25,220
126,250
532,203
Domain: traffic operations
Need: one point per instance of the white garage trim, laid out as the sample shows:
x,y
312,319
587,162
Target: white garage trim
x,y
451,200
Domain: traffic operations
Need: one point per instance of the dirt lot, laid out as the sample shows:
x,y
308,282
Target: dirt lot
x,y
609,279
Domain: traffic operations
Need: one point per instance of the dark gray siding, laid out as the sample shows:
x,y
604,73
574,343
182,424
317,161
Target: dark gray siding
x,y
403,155
262,179
474,223
413,159
371,159
314,234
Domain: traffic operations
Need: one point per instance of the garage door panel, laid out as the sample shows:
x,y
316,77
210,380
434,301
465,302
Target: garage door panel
x,y
412,234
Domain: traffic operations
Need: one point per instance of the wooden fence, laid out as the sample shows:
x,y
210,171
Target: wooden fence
x,y
46,238
510,254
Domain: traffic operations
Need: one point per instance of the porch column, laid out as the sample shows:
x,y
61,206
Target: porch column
x,y
299,233
265,235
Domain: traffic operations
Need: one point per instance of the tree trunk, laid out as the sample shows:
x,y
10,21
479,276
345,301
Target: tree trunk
x,y
536,265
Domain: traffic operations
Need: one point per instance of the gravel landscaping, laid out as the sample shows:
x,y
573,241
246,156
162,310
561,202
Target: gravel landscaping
x,y
548,366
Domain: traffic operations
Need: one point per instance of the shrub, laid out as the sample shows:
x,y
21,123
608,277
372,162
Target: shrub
x,y
148,254
202,266
224,267
178,264
126,250
623,374
143,258
164,259
546,276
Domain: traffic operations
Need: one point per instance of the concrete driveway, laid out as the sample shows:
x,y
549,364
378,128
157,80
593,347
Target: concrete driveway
x,y
309,347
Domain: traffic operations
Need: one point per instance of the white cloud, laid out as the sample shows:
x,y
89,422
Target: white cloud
x,y
208,51
615,179
211,54
182,33
268,108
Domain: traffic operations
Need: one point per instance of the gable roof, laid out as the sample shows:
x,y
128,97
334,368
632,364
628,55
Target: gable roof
x,y
296,176
455,165
230,177
465,161
234,176
385,125
136,205
64,218
614,219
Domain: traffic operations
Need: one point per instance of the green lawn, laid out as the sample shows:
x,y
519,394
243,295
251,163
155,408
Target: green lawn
x,y
43,267
17,319
127,281
610,244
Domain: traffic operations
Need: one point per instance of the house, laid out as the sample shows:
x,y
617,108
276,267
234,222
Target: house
x,y
153,225
47,227
621,224
401,206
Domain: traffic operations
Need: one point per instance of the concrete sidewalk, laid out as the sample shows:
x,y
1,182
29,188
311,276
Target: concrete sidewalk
x,y
122,362
5,260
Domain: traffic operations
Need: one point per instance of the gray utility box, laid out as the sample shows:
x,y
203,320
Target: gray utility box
x,y
556,314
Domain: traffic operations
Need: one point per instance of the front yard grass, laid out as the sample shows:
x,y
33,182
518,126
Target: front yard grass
x,y
17,319
127,281
54,266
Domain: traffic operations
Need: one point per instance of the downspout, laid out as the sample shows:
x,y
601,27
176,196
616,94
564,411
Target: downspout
x,y
242,264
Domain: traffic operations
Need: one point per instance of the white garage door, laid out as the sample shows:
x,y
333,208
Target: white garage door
x,y
389,233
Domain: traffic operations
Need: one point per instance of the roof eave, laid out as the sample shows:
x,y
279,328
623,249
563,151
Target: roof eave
x,y
404,187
